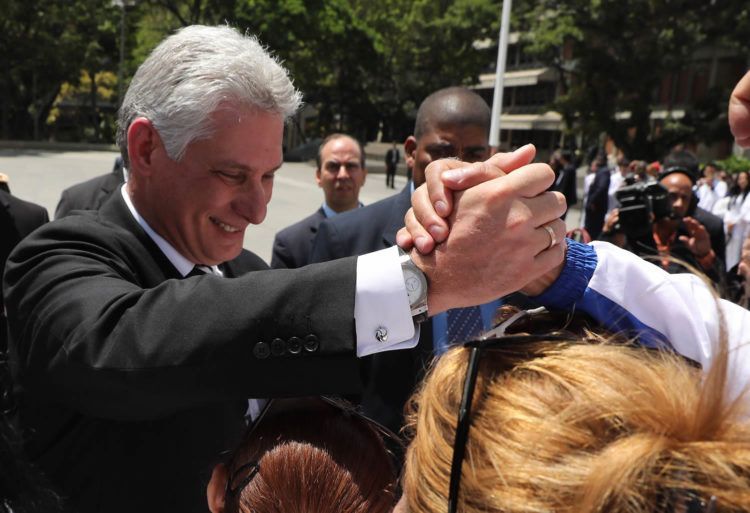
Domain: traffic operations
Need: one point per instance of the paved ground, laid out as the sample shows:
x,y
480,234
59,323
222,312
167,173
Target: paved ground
x,y
40,176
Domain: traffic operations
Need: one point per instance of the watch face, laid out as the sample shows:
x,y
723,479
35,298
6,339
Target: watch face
x,y
413,286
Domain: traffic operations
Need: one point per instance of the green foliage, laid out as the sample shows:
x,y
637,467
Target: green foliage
x,y
621,51
364,65
85,110
734,164
44,43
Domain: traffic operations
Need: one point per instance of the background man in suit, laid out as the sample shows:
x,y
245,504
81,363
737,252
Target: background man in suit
x,y
561,163
597,198
18,218
22,488
392,158
91,194
452,122
341,173
137,332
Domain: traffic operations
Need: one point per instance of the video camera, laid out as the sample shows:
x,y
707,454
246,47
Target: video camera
x,y
641,203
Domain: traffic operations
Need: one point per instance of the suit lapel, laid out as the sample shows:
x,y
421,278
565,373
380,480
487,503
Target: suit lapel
x,y
401,204
114,181
116,211
318,218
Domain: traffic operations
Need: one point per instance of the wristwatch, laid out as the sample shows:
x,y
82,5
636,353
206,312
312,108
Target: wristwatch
x,y
416,286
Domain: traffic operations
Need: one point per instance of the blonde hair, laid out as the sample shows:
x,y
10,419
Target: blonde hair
x,y
579,427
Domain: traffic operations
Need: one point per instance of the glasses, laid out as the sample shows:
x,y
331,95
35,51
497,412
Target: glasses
x,y
497,339
243,474
493,339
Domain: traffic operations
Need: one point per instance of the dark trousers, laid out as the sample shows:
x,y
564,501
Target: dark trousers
x,y
390,176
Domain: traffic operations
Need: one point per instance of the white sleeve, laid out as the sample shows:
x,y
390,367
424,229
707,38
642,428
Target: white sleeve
x,y
721,189
382,305
680,307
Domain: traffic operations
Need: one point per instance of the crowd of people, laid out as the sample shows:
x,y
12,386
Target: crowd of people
x,y
684,216
156,365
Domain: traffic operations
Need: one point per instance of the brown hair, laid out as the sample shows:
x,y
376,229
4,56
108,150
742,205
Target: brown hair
x,y
580,426
315,462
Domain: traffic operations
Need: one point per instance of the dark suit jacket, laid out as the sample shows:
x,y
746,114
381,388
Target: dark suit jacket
x,y
596,202
389,377
646,246
18,218
392,158
292,245
131,380
88,195
715,228
566,183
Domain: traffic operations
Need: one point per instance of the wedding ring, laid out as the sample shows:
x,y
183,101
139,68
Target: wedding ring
x,y
552,238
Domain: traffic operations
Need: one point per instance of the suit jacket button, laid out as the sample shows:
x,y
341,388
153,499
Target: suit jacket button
x,y
294,345
261,350
311,343
278,347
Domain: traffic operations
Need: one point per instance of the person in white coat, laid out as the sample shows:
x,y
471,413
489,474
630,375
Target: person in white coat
x,y
737,218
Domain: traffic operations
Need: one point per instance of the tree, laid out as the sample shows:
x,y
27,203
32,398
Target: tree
x,y
329,51
191,12
44,44
363,63
620,53
428,45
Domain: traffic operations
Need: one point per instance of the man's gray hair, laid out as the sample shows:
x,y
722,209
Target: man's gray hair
x,y
189,74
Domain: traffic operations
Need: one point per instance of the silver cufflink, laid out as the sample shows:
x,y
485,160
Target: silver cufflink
x,y
381,334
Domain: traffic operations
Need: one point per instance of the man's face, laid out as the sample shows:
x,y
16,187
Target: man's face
x,y
466,142
680,192
203,203
341,174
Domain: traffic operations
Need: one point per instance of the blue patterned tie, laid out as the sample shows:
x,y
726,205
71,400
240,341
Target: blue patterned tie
x,y
464,324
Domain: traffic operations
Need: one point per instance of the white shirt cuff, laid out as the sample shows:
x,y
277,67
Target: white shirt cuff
x,y
381,305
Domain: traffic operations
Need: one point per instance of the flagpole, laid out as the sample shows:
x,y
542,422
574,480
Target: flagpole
x,y
502,53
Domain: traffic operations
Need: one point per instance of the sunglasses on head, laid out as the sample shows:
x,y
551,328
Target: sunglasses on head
x,y
494,339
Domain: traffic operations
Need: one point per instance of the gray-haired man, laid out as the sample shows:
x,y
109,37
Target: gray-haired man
x,y
137,332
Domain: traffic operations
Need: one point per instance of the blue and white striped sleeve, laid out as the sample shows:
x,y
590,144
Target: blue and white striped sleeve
x,y
627,294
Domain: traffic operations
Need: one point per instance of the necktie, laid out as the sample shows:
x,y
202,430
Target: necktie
x,y
464,324
199,270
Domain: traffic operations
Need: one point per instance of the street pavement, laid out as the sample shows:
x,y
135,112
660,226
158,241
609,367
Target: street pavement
x,y
41,175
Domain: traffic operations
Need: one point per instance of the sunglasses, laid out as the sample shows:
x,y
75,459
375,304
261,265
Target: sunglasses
x,y
242,474
496,338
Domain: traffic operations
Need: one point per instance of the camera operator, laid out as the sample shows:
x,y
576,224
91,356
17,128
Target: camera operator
x,y
662,219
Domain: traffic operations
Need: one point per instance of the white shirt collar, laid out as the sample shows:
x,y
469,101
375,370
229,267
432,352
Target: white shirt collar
x,y
182,264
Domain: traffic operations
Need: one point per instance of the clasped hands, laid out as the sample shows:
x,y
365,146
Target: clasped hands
x,y
483,230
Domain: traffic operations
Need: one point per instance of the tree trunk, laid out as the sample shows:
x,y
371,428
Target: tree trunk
x,y
94,109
